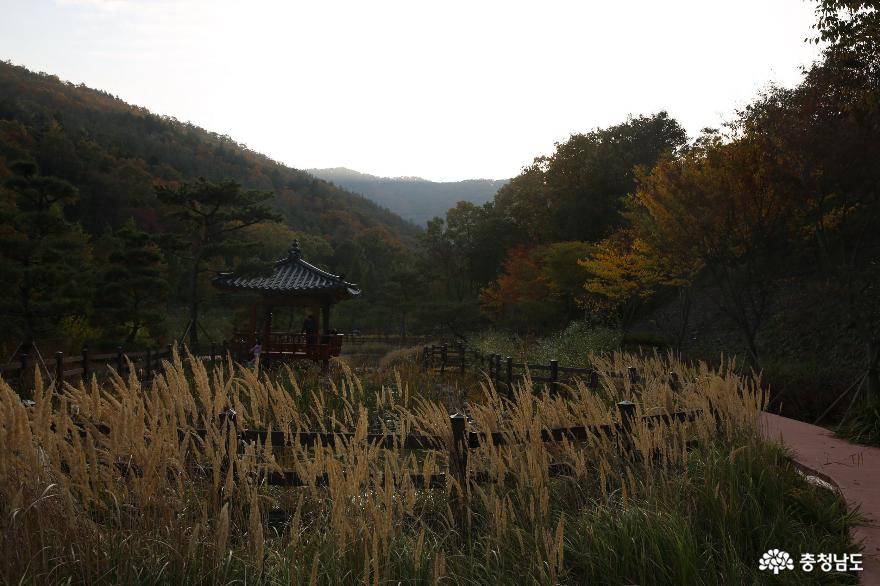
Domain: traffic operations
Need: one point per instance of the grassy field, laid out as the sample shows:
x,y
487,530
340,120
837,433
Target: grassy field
x,y
572,346
145,501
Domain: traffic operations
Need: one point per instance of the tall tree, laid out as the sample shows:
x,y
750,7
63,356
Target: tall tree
x,y
539,288
625,271
622,275
721,206
576,193
133,294
589,175
824,138
852,28
210,218
44,259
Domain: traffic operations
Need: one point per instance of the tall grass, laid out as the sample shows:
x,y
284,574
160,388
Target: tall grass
x,y
149,502
862,426
572,346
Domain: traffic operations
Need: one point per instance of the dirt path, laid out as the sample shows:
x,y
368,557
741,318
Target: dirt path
x,y
853,468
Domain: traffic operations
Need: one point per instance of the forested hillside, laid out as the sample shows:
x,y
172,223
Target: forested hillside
x,y
413,198
80,177
115,153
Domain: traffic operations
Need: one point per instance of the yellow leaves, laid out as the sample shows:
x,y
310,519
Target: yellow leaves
x,y
623,267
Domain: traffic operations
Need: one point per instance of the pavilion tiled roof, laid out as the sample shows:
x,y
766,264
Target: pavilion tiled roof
x,y
293,276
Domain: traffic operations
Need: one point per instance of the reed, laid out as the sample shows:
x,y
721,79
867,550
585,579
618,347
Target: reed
x,y
111,483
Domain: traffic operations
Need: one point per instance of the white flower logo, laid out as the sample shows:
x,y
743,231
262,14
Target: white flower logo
x,y
776,560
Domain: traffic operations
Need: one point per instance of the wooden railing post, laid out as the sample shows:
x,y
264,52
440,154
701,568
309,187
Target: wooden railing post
x,y
509,374
554,375
633,375
119,363
674,383
225,350
85,366
458,449
627,411
59,371
22,373
443,351
228,429
594,379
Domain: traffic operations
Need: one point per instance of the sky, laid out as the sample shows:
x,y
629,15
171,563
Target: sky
x,y
442,90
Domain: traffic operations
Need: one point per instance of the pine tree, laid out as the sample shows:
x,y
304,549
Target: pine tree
x,y
209,220
134,288
44,259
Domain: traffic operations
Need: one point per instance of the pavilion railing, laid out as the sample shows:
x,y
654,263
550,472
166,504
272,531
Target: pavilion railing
x,y
315,346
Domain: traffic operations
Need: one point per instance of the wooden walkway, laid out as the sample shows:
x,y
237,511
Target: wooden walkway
x,y
854,469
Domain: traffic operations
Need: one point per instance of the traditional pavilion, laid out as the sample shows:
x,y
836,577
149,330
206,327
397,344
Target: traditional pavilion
x,y
293,283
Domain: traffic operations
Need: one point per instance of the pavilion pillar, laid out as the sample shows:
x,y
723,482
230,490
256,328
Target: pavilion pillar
x,y
253,328
267,325
316,317
326,318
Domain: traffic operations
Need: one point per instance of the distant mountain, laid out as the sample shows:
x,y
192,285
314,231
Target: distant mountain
x,y
412,198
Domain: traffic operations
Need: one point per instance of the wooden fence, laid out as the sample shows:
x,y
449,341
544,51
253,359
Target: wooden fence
x,y
503,371
60,368
463,441
353,340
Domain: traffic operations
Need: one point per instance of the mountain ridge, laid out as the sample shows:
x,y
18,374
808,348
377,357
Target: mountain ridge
x,y
413,198
115,153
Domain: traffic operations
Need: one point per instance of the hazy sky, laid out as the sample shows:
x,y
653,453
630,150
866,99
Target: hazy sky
x,y
444,90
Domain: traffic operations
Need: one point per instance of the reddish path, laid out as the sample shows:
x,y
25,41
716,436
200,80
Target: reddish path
x,y
853,468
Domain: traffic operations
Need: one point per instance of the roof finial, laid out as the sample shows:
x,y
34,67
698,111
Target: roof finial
x,y
294,251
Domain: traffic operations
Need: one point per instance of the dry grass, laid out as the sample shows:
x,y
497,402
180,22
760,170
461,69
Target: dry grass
x,y
151,502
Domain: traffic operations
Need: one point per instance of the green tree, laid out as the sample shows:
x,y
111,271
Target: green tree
x,y
565,275
852,28
210,218
44,259
133,294
576,193
823,137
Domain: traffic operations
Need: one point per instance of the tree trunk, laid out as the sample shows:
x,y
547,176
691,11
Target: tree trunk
x,y
752,348
194,304
872,381
684,314
132,334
